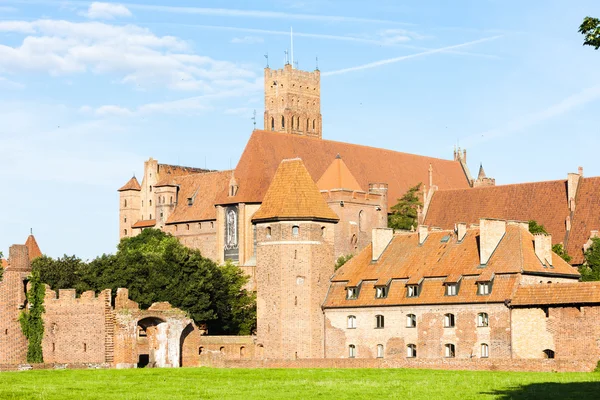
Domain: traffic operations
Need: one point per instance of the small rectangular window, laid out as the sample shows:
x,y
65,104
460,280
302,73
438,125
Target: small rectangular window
x,y
381,292
351,351
351,322
411,351
485,350
449,321
411,321
450,351
352,293
483,320
379,351
451,289
412,291
379,322
484,288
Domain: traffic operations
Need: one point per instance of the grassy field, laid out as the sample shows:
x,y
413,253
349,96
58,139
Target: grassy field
x,y
207,383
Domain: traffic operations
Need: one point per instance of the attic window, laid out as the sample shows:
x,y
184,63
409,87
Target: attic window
x,y
412,290
352,293
190,201
451,289
381,292
445,239
484,288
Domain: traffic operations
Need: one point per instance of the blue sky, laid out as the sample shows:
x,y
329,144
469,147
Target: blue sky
x,y
88,91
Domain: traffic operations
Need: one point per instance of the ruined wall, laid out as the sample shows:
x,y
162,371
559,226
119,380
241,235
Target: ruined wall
x,y
77,330
430,336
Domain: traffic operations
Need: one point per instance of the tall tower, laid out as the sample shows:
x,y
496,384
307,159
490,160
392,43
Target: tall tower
x,y
293,101
129,207
295,259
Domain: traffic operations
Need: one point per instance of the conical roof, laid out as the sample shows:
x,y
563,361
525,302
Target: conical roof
x,y
132,184
33,248
293,195
481,174
338,176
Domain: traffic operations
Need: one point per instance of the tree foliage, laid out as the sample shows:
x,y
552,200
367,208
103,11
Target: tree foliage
x,y
590,28
406,212
534,228
31,320
1,268
559,249
342,260
590,270
155,267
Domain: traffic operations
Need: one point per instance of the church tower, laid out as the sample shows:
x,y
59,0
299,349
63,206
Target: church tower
x,y
293,101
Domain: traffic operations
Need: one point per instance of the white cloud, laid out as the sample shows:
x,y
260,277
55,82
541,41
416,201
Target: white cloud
x,y
247,40
132,53
98,10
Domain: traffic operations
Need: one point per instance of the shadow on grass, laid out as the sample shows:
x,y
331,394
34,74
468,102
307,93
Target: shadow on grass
x,y
550,390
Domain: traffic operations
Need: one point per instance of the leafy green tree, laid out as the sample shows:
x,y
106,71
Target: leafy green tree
x,y
31,320
559,249
590,28
534,228
342,260
60,273
406,212
590,270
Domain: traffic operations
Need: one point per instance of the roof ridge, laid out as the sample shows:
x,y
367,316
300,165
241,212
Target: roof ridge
x,y
502,186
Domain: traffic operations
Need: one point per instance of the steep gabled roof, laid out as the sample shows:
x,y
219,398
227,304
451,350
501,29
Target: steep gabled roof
x,y
585,219
338,176
544,202
33,248
132,184
293,195
265,150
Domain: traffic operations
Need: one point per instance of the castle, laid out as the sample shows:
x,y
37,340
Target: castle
x,y
469,285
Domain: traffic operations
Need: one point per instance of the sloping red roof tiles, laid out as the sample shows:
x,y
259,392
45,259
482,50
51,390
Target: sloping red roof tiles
x,y
265,150
585,219
293,195
148,223
131,184
557,293
338,176
32,248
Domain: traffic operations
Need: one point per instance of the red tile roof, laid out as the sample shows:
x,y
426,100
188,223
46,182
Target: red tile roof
x,y
204,188
33,248
149,223
585,219
293,195
338,176
265,150
132,184
544,202
166,170
557,293
4,263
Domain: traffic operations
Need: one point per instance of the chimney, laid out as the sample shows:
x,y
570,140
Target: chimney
x,y
572,184
423,233
580,171
461,230
543,248
491,232
381,238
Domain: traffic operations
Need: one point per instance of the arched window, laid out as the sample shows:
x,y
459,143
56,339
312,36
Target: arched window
x,y
314,124
282,121
150,216
163,199
483,320
125,203
125,231
268,231
352,351
411,321
200,350
449,321
272,123
411,350
212,224
222,350
361,221
124,219
307,122
379,321
242,351
150,188
295,230
322,231
485,350
549,353
150,202
351,322
450,350
379,351
187,226
171,200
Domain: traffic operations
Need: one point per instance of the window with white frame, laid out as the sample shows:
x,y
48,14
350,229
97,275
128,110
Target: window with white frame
x,y
485,350
351,322
411,321
483,320
451,289
381,292
450,350
352,351
352,293
411,350
295,230
484,288
379,321
379,351
412,290
449,321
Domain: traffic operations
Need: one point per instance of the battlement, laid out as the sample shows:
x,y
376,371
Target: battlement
x,y
69,296
288,71
352,195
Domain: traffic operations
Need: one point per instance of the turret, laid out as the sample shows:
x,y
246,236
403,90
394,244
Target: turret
x,y
129,207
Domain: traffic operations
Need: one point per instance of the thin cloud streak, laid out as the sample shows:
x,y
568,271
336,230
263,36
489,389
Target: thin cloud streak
x,y
410,56
564,106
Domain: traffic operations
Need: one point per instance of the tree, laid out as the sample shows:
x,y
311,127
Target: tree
x,y
590,27
590,270
1,267
534,228
406,212
61,273
561,252
31,320
342,260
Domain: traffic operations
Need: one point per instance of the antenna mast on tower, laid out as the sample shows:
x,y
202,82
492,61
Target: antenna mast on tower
x,y
292,45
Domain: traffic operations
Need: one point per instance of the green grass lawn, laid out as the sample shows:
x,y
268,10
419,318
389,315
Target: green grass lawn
x,y
208,383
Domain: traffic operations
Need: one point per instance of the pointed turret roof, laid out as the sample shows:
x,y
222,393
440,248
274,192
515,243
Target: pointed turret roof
x,y
481,172
132,184
293,195
33,248
338,176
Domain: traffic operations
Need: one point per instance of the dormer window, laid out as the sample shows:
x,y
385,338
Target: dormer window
x,y
451,289
352,293
484,288
412,290
381,292
190,201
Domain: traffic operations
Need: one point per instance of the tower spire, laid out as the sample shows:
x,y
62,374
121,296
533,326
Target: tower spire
x,y
292,45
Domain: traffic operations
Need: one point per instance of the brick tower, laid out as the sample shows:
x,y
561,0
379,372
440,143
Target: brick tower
x,y
295,235
293,101
129,207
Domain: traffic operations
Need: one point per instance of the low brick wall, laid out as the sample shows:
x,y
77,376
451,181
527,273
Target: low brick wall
x,y
47,366
543,365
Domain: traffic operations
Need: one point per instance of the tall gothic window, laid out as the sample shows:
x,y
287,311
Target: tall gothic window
x,y
282,121
272,123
